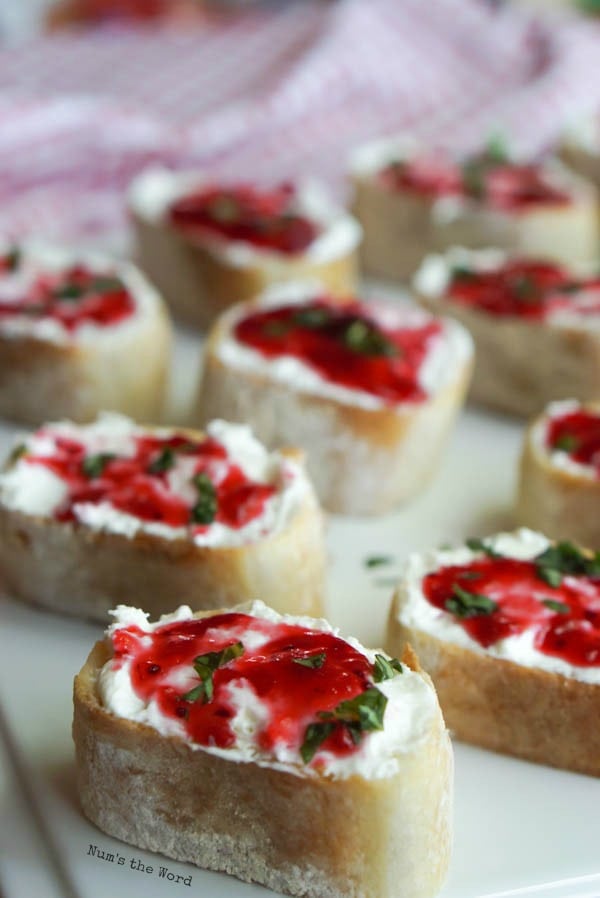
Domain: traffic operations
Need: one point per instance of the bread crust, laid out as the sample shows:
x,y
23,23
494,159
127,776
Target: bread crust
x,y
582,161
297,834
71,568
502,706
562,503
361,461
41,380
198,284
400,229
522,365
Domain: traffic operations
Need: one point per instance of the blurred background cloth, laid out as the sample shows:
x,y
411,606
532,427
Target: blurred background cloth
x,y
273,92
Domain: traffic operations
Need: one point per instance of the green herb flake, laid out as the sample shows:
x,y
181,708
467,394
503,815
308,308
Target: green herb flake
x,y
478,545
558,607
205,666
18,452
224,209
567,442
386,668
68,291
496,149
564,558
164,461
13,258
461,272
205,509
378,560
466,604
94,465
314,736
315,317
358,715
524,288
107,284
365,338
470,575
313,661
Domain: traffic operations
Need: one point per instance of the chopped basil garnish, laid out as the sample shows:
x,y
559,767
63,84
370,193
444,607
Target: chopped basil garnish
x,y
469,604
94,465
366,338
164,461
378,560
314,661
478,545
470,575
69,291
461,272
524,288
12,259
107,284
568,442
559,607
358,715
386,668
312,317
224,209
205,509
17,453
205,666
563,559
496,149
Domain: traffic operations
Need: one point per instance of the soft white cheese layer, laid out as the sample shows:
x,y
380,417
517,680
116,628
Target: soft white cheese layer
x,y
153,192
412,707
448,354
418,613
33,489
558,458
40,258
433,278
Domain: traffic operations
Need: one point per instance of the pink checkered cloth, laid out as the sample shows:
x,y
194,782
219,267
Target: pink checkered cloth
x,y
273,94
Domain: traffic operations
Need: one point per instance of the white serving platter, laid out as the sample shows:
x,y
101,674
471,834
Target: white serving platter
x,y
520,829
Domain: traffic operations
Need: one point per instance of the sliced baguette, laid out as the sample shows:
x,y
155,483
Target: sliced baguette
x,y
200,279
507,706
84,570
401,227
285,826
520,364
555,496
122,367
363,459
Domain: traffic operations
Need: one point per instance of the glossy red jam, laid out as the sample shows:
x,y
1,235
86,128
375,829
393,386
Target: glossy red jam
x,y
567,628
293,693
495,181
344,344
578,434
519,287
73,297
265,218
138,484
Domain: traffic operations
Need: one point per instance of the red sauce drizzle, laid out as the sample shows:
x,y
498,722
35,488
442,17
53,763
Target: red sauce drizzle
x,y
519,592
345,345
72,297
525,288
133,485
264,218
503,185
293,693
578,434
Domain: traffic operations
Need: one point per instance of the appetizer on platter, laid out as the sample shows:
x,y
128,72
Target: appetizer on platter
x,y
509,629
94,515
78,333
535,325
411,201
207,245
559,484
368,389
267,747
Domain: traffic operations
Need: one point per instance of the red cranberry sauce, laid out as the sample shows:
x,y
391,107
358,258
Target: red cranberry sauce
x,y
488,177
264,218
138,484
73,297
525,288
578,434
344,344
296,672
565,618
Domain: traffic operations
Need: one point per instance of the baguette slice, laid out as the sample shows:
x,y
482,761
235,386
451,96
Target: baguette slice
x,y
370,822
366,451
559,483
201,274
77,543
534,341
449,205
72,351
509,696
